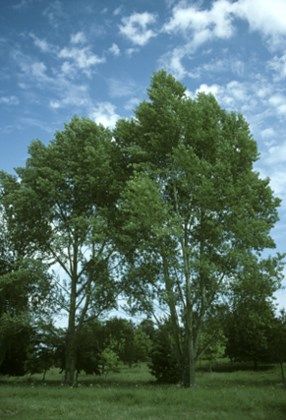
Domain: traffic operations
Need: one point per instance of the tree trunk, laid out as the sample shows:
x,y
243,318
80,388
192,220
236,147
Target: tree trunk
x,y
70,356
189,379
173,313
282,373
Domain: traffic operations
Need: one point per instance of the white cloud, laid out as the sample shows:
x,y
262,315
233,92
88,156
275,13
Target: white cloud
x,y
202,24
276,154
199,26
9,100
213,89
38,70
136,27
117,11
130,51
172,61
42,44
267,17
59,88
104,113
131,104
82,58
278,64
278,101
73,96
267,133
68,69
78,38
55,13
232,95
277,182
114,49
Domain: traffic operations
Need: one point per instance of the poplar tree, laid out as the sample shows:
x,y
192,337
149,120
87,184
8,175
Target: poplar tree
x,y
194,210
59,208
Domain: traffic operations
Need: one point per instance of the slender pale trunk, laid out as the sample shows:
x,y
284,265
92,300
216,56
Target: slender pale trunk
x,y
70,356
282,373
189,377
190,367
172,306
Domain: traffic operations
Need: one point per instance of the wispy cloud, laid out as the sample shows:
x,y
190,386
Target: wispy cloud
x,y
76,96
114,50
54,12
119,88
81,57
9,100
78,38
42,44
136,28
278,64
198,26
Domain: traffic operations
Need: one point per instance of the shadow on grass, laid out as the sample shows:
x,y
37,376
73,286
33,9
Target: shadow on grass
x,y
135,379
83,381
234,367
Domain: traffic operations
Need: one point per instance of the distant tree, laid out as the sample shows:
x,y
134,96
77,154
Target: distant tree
x,y
193,211
277,342
109,361
25,298
128,341
251,314
59,208
43,346
212,342
147,325
119,336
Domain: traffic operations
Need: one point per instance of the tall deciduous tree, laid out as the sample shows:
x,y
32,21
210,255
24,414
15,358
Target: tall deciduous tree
x,y
59,208
194,209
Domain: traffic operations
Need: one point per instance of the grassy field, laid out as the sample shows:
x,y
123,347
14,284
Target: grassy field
x,y
132,394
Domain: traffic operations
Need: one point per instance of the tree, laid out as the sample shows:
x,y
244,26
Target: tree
x,y
59,209
277,342
164,364
25,298
250,319
193,210
44,344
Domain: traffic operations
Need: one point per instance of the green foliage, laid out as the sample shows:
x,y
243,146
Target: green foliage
x,y
25,298
60,207
247,332
164,364
109,361
43,347
194,210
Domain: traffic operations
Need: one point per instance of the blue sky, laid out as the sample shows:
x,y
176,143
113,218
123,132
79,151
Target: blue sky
x,y
95,58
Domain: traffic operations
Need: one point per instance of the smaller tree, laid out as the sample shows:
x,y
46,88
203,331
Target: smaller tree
x,y
42,348
277,342
109,361
164,364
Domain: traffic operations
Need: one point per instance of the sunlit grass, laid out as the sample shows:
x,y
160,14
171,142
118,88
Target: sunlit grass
x,y
132,394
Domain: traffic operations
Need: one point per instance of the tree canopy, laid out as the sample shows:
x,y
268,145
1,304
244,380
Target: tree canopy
x,y
196,211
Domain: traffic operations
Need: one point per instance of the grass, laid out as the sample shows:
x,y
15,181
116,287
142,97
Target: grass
x,y
132,394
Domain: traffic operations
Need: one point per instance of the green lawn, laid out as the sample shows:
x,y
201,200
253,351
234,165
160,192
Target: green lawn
x,y
132,394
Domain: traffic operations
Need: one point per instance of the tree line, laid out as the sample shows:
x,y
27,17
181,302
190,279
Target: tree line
x,y
166,210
